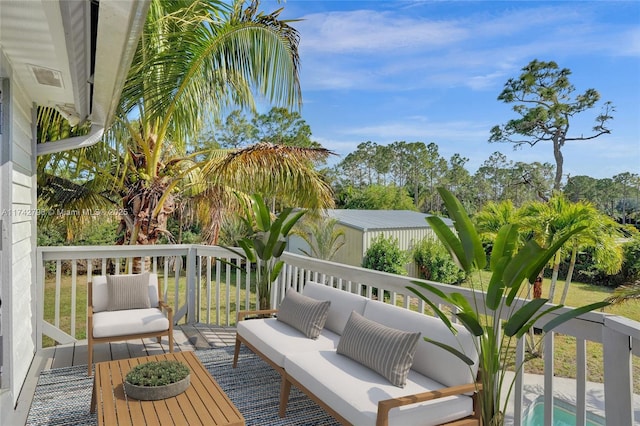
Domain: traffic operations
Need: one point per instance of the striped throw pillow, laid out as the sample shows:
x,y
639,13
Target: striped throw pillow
x,y
128,292
304,313
387,351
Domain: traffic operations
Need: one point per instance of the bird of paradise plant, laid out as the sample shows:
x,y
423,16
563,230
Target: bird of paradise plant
x,y
511,265
265,246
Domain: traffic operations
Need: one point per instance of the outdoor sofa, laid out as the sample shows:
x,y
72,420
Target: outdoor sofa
x,y
439,388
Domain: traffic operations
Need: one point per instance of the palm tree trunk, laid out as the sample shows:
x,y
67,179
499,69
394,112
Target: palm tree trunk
x,y
572,264
554,275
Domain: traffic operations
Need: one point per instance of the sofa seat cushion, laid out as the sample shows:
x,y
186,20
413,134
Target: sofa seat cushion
x,y
276,339
354,390
134,321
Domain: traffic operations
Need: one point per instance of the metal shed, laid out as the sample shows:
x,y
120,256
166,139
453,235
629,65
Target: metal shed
x,y
361,227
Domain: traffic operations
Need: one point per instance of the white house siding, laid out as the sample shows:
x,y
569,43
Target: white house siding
x,y
18,259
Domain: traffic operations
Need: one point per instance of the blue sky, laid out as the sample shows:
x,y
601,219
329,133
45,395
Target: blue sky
x,y
386,71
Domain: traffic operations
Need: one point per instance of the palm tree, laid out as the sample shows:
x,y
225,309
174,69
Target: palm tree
x,y
322,237
553,219
493,216
602,234
195,58
625,293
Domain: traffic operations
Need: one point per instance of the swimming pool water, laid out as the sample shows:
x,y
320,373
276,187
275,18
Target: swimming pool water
x,y
564,414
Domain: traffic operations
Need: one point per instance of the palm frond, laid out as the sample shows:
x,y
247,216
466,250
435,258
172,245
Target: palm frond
x,y
278,170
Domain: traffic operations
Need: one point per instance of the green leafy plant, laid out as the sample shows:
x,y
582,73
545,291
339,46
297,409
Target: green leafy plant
x,y
511,265
435,264
266,244
157,373
384,254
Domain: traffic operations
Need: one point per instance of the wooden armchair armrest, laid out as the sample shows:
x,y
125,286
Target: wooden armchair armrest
x,y
386,405
163,305
243,314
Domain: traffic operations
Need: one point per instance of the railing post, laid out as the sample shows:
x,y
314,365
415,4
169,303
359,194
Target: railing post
x,y
191,285
40,298
618,387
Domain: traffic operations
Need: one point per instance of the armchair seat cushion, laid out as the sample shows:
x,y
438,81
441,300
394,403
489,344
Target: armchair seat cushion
x,y
354,390
129,322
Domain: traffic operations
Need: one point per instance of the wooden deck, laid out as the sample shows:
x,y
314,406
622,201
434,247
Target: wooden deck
x,y
186,338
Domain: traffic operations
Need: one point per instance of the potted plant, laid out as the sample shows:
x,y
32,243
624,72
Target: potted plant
x,y
155,380
266,244
511,264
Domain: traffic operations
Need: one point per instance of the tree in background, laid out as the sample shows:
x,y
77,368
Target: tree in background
x,y
618,196
602,234
375,197
279,127
321,235
493,217
552,220
545,101
194,59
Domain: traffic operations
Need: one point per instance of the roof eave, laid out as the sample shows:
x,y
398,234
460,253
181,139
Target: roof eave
x,y
119,27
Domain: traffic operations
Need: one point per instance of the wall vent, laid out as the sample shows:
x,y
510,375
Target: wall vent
x,y
47,76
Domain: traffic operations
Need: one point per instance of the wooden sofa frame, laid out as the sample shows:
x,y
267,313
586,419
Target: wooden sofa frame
x,y
93,340
384,406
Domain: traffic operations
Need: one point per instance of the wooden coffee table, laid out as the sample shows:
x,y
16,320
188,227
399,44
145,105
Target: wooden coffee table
x,y
203,403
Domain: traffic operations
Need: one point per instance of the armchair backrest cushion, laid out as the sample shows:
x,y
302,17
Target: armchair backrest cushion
x,y
100,292
128,292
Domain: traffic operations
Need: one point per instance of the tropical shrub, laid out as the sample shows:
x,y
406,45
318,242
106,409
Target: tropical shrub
x,y
384,254
511,266
435,264
266,243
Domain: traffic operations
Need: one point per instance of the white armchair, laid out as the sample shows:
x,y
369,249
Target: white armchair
x,y
123,307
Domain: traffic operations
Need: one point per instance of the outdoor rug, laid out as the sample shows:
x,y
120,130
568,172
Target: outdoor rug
x,y
63,395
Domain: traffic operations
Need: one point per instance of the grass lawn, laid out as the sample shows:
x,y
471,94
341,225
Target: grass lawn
x,y
579,294
565,346
227,301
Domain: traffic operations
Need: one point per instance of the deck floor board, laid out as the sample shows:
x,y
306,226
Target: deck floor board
x,y
186,338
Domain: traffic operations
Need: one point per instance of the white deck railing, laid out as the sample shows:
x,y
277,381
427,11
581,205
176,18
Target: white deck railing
x,y
203,286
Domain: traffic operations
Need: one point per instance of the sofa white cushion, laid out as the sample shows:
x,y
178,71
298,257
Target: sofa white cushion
x,y
100,292
387,351
134,321
303,313
354,390
429,359
342,304
276,339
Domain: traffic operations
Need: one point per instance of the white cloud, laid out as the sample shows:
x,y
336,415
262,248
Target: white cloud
x,y
368,31
384,50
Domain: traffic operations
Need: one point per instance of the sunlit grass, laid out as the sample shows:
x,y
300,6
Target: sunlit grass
x,y
579,294
565,346
228,300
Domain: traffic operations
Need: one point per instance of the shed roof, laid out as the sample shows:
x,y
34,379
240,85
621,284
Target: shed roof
x,y
367,220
